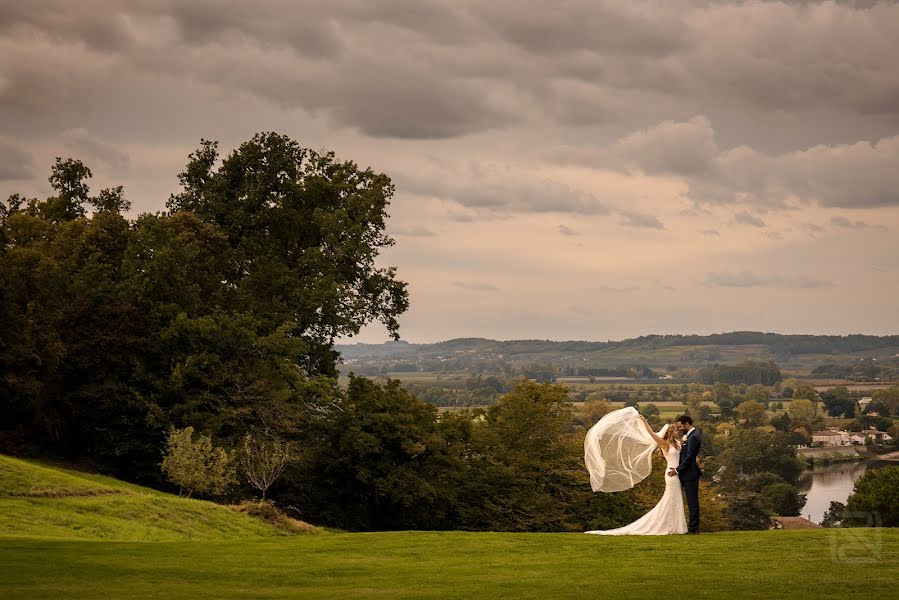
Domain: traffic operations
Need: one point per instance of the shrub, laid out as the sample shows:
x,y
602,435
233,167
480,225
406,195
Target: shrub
x,y
197,466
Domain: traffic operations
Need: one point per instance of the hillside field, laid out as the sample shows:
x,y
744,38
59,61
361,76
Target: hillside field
x,y
70,535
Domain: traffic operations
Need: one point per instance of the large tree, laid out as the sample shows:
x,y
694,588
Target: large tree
x,y
305,229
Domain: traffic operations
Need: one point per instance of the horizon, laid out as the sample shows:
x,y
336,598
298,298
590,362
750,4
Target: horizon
x,y
613,341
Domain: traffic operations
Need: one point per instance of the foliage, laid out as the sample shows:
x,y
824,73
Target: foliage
x,y
263,458
839,403
745,511
197,465
752,451
752,414
220,315
875,496
749,372
833,516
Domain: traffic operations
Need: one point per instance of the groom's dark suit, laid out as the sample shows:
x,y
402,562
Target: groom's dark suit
x,y
688,472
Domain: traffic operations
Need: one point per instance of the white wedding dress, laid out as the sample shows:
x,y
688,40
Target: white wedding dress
x,y
618,454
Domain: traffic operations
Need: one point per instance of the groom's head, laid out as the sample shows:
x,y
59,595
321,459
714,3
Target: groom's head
x,y
684,423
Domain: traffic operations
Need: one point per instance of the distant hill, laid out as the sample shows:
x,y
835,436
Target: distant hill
x,y
797,352
46,501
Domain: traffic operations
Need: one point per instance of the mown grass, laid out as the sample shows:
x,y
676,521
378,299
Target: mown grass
x,y
114,540
764,565
40,500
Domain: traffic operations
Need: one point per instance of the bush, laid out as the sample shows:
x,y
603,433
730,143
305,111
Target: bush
x,y
875,495
197,466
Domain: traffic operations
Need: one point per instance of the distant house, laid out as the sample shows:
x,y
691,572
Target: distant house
x,y
793,523
831,438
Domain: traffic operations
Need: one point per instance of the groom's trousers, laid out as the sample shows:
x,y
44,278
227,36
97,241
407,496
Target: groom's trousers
x,y
691,490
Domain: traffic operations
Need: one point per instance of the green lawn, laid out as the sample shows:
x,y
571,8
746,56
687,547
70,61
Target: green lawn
x,y
764,565
65,534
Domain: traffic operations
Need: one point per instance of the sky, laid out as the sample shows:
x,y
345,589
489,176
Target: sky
x,y
583,170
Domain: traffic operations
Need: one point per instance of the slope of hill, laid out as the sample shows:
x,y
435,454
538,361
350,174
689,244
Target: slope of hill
x,y
795,352
39,500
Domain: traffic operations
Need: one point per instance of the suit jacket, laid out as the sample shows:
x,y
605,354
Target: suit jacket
x,y
687,469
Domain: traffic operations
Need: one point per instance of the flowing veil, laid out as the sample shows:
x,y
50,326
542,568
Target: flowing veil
x,y
618,451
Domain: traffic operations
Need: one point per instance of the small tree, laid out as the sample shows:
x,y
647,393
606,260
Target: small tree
x,y
197,465
263,459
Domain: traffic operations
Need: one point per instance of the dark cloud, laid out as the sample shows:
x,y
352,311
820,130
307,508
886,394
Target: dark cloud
x,y
750,279
744,218
15,163
639,220
565,230
406,69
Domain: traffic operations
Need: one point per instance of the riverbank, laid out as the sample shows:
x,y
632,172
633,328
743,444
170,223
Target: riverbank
x,y
835,454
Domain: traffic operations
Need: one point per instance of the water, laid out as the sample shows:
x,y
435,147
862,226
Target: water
x,y
831,483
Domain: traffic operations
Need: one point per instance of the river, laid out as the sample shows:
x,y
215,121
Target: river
x,y
831,483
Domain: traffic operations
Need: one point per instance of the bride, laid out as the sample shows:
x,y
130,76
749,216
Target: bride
x,y
618,454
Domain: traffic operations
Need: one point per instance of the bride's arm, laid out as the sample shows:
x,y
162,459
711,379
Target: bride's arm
x,y
662,443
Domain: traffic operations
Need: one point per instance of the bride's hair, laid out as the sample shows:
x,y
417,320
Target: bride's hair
x,y
672,435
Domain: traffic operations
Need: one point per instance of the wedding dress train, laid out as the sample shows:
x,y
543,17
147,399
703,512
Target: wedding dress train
x,y
618,455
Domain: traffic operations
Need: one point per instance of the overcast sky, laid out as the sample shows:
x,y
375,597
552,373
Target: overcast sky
x,y
584,170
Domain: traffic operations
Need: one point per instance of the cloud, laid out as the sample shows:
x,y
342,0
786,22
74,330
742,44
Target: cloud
x,y
861,174
444,69
491,191
744,218
15,163
682,148
565,230
415,231
842,222
476,286
87,147
750,279
619,290
639,220
710,233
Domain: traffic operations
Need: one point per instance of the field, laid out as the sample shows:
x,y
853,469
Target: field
x,y
53,547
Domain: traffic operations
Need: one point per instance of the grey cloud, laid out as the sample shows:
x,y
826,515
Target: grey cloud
x,y
565,230
476,286
744,218
858,175
710,233
686,148
415,231
840,221
750,279
619,290
86,147
15,163
639,220
487,191
445,69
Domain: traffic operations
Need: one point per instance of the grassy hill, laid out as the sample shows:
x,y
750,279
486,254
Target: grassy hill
x,y
39,500
64,534
795,353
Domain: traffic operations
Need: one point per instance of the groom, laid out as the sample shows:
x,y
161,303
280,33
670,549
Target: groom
x,y
688,470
